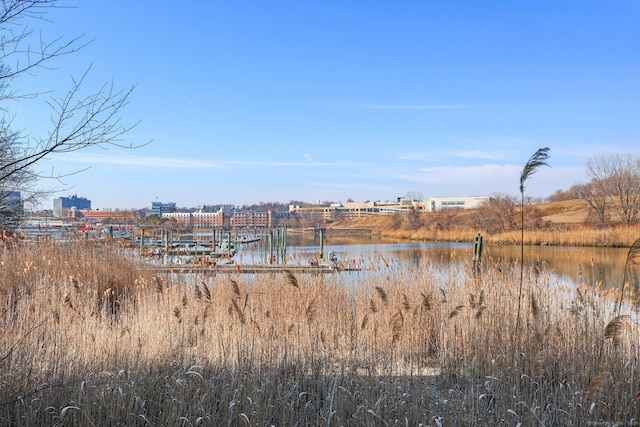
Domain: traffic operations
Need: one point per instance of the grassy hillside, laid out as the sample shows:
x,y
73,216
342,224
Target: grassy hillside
x,y
559,223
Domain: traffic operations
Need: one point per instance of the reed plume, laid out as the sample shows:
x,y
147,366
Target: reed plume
x,y
426,301
596,385
310,311
538,363
207,293
615,327
382,294
633,258
235,288
235,308
396,323
291,278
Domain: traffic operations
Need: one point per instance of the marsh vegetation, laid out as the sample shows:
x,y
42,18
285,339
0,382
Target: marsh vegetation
x,y
90,338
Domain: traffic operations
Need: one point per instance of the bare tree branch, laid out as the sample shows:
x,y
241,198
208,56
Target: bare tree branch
x,y
78,119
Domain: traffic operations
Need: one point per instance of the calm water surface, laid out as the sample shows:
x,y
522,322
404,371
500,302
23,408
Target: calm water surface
x,y
586,265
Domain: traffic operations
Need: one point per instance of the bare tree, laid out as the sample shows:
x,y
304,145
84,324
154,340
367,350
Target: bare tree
x,y
616,179
596,197
498,214
79,119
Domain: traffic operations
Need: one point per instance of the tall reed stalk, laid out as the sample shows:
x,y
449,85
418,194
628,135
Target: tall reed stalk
x,y
538,159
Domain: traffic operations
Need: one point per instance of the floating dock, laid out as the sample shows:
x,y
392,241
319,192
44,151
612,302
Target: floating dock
x,y
245,269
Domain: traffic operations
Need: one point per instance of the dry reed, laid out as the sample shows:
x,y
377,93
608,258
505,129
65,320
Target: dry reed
x,y
89,338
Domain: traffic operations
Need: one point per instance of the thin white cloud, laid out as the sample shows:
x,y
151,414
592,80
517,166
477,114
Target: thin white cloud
x,y
120,159
196,100
461,154
491,178
414,106
462,174
280,164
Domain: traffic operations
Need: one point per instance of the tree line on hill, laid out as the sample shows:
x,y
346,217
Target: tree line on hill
x,y
613,193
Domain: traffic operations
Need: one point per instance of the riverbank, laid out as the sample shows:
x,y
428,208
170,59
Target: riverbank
x,y
559,224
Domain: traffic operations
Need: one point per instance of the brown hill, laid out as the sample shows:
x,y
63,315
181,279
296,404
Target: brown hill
x,y
565,212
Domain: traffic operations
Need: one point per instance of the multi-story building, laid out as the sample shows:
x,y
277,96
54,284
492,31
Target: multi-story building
x,y
181,218
62,205
251,219
210,219
160,208
221,219
439,203
114,216
340,211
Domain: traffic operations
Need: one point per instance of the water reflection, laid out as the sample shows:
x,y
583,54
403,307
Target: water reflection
x,y
585,265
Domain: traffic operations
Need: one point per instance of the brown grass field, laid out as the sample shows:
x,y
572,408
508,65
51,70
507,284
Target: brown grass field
x,y
89,338
562,224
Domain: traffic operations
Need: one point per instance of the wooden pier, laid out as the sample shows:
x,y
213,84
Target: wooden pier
x,y
245,269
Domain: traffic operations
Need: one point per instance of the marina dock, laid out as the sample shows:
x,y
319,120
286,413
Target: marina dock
x,y
246,269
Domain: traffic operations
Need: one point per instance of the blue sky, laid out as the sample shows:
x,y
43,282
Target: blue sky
x,y
254,101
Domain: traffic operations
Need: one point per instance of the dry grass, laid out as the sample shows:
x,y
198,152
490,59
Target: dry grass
x,y
564,226
88,338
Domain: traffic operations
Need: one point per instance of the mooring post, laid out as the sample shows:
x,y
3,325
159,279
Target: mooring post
x,y
284,245
321,231
477,254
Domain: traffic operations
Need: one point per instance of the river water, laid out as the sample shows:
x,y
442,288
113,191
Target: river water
x,y
583,265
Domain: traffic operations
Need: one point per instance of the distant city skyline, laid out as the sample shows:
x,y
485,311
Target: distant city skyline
x,y
278,101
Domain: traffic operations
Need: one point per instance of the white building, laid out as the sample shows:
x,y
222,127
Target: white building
x,y
439,203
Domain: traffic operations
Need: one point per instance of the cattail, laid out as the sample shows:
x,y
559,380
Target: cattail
x,y
198,292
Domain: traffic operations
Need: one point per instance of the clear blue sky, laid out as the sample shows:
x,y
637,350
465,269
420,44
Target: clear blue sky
x,y
250,101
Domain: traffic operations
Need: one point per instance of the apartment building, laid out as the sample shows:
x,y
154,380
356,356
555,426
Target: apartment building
x,y
210,219
102,215
251,219
62,205
181,218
